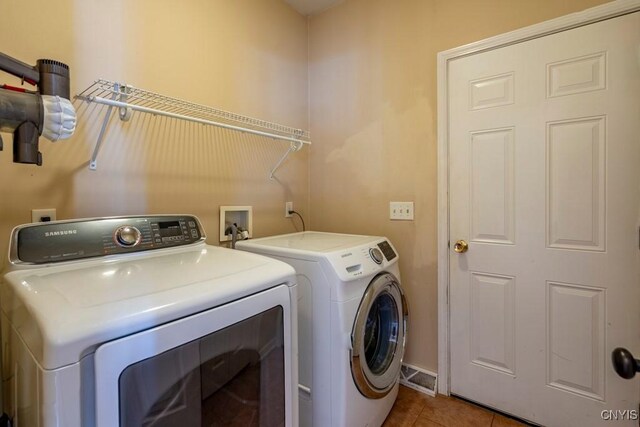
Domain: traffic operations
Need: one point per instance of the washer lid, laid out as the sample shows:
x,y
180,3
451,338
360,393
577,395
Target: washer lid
x,y
312,241
63,312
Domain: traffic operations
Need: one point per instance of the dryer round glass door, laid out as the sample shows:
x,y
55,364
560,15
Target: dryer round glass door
x,y
378,337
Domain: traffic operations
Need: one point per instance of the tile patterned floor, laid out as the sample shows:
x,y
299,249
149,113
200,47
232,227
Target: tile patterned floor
x,y
414,409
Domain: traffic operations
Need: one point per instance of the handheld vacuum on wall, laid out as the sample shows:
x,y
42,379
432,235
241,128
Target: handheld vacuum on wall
x,y
28,115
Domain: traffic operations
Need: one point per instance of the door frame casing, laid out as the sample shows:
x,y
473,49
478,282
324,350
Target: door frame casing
x,y
557,25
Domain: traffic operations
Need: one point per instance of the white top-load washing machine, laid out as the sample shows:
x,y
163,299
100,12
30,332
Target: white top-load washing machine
x,y
352,324
135,321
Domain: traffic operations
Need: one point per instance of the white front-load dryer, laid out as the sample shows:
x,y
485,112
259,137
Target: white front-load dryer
x,y
352,324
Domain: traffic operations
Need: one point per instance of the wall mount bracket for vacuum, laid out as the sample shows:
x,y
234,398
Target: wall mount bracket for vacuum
x,y
128,99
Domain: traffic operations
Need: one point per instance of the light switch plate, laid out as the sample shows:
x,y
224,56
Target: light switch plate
x,y
402,211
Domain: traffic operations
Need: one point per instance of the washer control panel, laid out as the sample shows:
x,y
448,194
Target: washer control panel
x,y
387,250
376,255
127,236
78,239
363,260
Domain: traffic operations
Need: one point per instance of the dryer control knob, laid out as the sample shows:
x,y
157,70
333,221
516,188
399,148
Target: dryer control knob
x,y
127,236
376,255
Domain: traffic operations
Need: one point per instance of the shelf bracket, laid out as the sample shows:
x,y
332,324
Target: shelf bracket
x,y
293,147
119,91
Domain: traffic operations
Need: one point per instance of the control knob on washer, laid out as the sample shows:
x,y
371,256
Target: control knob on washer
x,y
127,236
376,255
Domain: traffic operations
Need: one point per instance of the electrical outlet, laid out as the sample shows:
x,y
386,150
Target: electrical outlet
x,y
401,211
43,215
288,207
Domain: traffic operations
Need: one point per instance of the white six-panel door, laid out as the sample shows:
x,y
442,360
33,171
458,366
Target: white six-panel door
x,y
544,168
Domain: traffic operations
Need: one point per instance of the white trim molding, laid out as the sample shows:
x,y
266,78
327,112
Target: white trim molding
x,y
564,23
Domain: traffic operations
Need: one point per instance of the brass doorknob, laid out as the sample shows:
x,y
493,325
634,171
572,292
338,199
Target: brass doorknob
x,y
461,247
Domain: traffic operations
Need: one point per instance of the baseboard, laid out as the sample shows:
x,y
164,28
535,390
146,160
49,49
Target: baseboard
x,y
419,379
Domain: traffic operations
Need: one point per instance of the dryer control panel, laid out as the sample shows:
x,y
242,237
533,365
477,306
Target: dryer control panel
x,y
86,238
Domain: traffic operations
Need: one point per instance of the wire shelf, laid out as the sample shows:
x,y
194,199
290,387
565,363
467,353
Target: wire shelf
x,y
139,97
128,98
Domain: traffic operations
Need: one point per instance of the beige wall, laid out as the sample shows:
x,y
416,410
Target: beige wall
x,y
373,121
372,85
245,56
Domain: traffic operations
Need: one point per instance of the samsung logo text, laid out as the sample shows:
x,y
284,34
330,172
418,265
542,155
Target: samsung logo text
x,y
60,233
